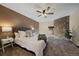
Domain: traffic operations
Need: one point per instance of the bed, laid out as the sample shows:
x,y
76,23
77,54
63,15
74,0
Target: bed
x,y
31,43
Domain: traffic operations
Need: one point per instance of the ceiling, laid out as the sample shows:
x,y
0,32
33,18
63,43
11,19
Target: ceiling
x,y
29,9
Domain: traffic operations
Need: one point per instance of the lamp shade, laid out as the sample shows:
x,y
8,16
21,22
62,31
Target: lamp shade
x,y
6,29
32,28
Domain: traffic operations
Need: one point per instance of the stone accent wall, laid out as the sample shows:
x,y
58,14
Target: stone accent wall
x,y
60,25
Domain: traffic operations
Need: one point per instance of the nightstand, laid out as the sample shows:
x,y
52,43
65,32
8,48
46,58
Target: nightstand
x,y
6,42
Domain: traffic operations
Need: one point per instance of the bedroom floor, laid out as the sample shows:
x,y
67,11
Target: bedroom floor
x,y
61,48
16,51
55,47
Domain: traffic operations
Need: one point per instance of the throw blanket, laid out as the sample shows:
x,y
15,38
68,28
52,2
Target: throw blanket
x,y
32,44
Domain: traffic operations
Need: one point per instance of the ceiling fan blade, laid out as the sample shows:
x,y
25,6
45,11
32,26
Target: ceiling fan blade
x,y
48,8
39,15
45,16
38,11
50,13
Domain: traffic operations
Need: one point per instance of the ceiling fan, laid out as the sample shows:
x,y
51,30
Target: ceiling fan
x,y
45,12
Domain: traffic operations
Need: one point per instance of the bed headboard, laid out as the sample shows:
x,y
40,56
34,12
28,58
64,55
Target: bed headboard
x,y
16,29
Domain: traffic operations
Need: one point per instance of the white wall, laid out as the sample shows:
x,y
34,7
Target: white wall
x,y
74,26
43,27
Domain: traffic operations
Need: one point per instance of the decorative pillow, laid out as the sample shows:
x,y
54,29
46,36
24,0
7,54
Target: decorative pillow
x,y
22,33
29,33
16,35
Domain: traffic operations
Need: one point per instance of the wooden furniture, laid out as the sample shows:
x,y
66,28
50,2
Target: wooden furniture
x,y
0,44
51,29
6,42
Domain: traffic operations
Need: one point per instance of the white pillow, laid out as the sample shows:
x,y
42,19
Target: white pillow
x,y
16,35
29,33
22,33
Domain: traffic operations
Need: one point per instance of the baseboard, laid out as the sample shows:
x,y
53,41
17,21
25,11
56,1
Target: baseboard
x,y
77,45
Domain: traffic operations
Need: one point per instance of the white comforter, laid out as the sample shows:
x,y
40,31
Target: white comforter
x,y
32,44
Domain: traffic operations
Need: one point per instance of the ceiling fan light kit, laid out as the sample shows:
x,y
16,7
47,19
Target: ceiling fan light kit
x,y
45,12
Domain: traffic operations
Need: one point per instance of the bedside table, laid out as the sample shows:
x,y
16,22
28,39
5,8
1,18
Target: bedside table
x,y
6,42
